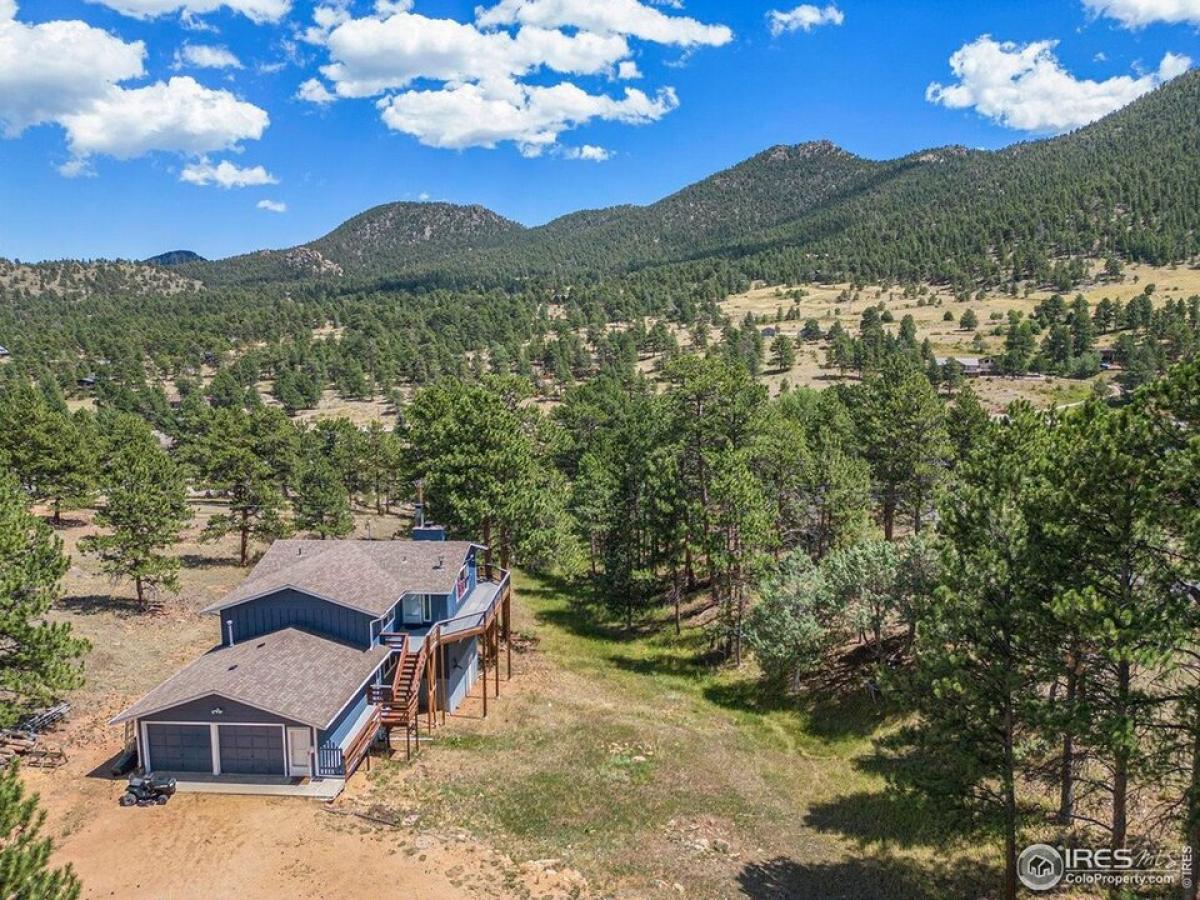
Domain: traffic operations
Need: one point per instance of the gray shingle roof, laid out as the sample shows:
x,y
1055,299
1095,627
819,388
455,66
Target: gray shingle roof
x,y
291,673
370,576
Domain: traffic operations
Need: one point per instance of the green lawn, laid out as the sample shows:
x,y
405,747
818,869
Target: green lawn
x,y
641,764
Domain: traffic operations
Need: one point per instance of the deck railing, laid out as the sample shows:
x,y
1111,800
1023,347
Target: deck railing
x,y
356,752
330,763
451,627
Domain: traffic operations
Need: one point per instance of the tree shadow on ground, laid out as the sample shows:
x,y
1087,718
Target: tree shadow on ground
x,y
65,523
201,561
99,604
678,665
841,700
578,617
902,814
883,817
869,878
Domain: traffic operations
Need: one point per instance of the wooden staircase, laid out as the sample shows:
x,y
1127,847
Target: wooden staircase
x,y
399,704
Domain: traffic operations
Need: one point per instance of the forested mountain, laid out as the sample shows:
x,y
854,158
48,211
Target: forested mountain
x,y
1127,186
390,238
174,258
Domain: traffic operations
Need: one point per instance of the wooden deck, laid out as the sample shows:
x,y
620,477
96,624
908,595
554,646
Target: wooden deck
x,y
486,616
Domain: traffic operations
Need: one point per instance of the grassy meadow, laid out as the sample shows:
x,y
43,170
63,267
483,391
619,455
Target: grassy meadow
x,y
634,760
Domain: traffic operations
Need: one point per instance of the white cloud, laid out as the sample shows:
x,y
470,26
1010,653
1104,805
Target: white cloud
x,y
180,115
589,153
8,10
201,56
57,67
1140,13
255,10
69,73
622,17
274,206
804,18
374,55
531,116
76,168
384,8
225,174
312,91
1025,87
464,84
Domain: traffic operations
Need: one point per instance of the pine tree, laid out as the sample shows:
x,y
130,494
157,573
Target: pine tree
x,y
39,659
145,509
903,435
228,457
25,872
977,645
47,449
475,448
783,352
1172,412
322,504
1119,594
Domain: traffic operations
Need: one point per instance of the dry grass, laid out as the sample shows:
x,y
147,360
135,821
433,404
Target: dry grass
x,y
636,761
828,303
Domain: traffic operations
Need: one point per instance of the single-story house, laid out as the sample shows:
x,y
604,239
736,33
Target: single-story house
x,y
324,647
972,366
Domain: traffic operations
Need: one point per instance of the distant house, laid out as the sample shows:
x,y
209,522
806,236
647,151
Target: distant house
x,y
87,381
4,352
325,646
770,332
972,366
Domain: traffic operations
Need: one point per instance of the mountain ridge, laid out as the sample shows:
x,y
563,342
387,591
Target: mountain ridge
x,y
1126,185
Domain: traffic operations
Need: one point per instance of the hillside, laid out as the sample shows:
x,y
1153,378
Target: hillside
x,y
73,279
390,238
1127,186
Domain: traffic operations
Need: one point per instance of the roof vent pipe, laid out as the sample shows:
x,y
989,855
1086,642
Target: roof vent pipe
x,y
229,630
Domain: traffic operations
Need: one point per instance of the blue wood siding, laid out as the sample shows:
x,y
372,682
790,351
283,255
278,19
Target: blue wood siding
x,y
340,729
293,609
462,660
329,740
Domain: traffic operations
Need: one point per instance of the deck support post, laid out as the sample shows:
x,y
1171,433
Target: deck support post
x,y
496,654
483,651
429,711
508,633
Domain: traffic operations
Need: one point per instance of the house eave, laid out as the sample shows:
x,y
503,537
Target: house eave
x,y
129,714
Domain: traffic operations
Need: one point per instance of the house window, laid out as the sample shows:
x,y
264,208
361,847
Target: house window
x,y
428,608
414,609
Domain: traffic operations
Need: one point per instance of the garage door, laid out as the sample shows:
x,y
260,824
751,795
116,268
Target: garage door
x,y
180,748
251,750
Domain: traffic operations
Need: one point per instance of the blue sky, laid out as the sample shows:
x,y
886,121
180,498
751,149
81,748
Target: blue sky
x,y
111,148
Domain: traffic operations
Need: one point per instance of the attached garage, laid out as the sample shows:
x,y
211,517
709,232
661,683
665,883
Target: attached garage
x,y
258,711
251,750
179,748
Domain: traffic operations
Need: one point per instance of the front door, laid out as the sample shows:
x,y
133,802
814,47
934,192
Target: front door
x,y
300,752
